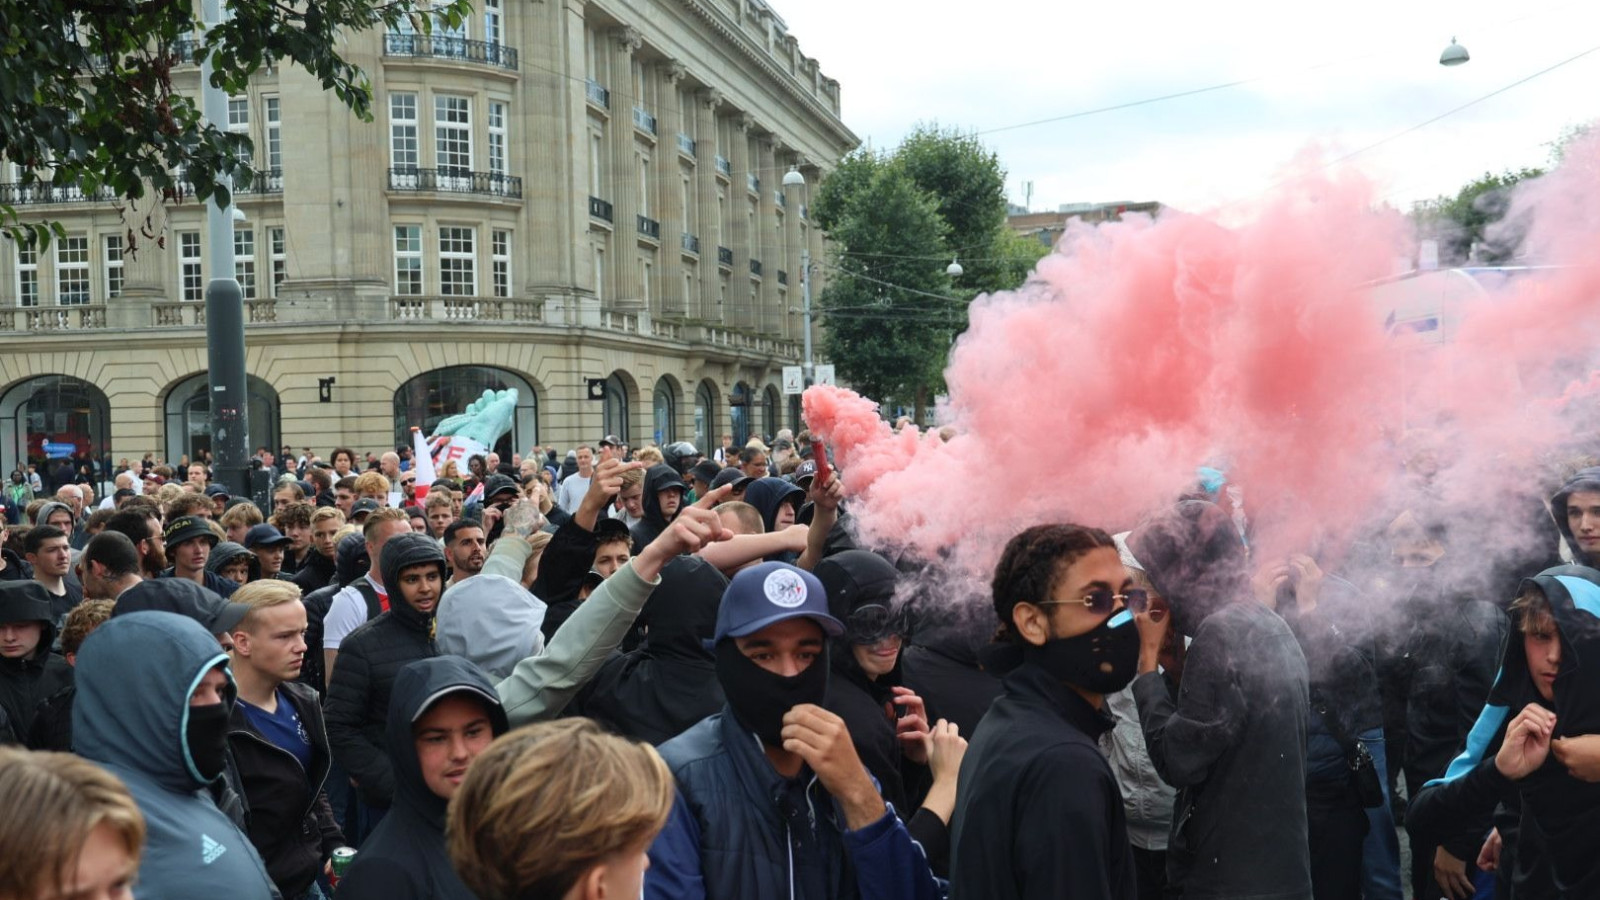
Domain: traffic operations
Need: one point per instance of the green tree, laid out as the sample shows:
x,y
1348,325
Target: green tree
x,y
86,87
969,185
1465,221
888,315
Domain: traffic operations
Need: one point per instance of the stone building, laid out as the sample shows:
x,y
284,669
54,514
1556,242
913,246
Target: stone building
x,y
560,191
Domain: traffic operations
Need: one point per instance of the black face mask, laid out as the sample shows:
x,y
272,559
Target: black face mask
x,y
207,739
1101,661
760,698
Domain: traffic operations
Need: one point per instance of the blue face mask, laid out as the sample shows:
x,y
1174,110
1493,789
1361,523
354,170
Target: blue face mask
x,y
1101,661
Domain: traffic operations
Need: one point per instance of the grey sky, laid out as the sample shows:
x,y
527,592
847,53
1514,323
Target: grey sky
x,y
1341,77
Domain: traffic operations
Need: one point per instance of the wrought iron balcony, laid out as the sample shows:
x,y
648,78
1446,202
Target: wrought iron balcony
x,y
649,227
685,144
184,48
691,244
597,94
783,277
599,209
723,166
456,181
755,267
444,46
753,183
265,181
724,257
644,121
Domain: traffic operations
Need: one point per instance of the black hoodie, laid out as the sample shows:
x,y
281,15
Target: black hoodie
x,y
351,563
1233,742
369,660
670,682
653,522
405,856
1583,480
26,682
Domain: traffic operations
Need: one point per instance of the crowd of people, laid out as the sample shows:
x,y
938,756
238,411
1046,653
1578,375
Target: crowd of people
x,y
659,673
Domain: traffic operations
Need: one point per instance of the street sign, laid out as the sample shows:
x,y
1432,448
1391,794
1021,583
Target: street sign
x,y
824,375
59,451
794,379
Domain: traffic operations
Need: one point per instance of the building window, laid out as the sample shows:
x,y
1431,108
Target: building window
x,y
191,277
403,152
688,207
596,160
239,123
492,26
244,261
452,134
497,137
274,131
113,263
500,252
457,272
280,257
646,273
644,185
599,273
27,276
408,260
72,270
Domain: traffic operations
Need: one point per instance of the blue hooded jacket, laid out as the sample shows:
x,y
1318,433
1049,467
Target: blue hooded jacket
x,y
135,675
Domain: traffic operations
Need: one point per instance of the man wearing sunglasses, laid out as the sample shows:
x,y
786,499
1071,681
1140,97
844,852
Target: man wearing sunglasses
x,y
1039,813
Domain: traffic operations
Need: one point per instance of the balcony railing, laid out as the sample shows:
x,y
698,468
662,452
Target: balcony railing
x,y
599,209
465,309
780,199
685,144
783,277
444,46
52,318
690,244
649,227
752,183
597,94
724,257
755,267
723,166
265,181
456,181
19,194
644,121
183,48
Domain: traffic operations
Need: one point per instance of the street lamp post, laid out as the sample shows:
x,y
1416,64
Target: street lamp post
x,y
230,426
793,178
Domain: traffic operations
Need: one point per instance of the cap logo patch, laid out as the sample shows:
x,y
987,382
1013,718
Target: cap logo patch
x,y
784,588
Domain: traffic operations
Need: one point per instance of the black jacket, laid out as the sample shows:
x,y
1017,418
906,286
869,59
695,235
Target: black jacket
x,y
291,824
315,573
653,522
25,683
363,676
670,682
212,581
942,667
1034,775
566,559
52,722
352,563
404,858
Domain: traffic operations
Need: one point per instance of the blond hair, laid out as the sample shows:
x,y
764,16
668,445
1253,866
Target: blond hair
x,y
649,456
264,593
632,477
369,528
324,513
372,483
57,800
244,514
548,802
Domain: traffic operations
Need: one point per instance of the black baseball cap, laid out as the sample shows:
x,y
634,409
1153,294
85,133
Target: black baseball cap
x,y
184,597
705,470
611,440
217,490
731,476
772,592
186,528
264,535
363,506
497,484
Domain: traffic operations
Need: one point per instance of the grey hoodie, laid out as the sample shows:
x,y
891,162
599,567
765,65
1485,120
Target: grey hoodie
x,y
135,674
491,620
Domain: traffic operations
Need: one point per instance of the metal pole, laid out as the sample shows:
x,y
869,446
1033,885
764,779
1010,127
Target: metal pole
x,y
805,294
230,427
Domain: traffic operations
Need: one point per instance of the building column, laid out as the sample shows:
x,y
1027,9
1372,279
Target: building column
x,y
624,172
765,245
705,172
742,305
669,189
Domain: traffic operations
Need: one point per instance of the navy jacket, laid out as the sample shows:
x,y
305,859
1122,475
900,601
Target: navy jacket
x,y
739,830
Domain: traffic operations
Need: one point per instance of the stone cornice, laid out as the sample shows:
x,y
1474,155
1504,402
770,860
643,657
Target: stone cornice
x,y
758,56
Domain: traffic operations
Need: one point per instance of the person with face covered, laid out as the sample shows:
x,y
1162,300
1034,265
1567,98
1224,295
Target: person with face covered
x,y
664,493
1034,771
154,697
442,714
372,656
772,798
1233,740
887,720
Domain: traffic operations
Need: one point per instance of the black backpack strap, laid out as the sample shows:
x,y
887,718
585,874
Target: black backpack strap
x,y
370,594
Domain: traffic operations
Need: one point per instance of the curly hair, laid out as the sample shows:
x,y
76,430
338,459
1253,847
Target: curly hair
x,y
1035,560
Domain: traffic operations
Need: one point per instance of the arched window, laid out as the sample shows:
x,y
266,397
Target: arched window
x,y
429,398
739,408
769,411
705,416
665,404
52,419
616,411
188,416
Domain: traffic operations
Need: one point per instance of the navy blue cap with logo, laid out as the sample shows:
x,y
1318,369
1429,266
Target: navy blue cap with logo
x,y
770,593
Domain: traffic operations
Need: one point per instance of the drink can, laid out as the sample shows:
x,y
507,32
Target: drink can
x,y
342,858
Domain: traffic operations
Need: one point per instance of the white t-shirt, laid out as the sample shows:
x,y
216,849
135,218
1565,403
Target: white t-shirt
x,y
571,491
347,613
